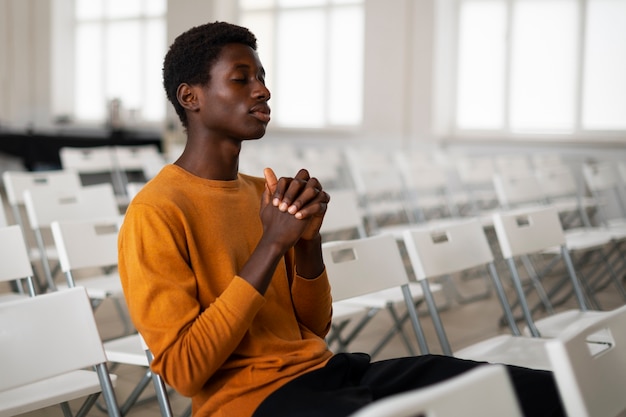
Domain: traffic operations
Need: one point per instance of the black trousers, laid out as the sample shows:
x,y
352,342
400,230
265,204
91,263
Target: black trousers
x,y
350,381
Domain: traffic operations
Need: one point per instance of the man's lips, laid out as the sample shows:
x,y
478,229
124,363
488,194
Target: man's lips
x,y
261,112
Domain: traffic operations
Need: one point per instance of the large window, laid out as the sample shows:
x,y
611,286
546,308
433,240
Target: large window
x,y
541,66
312,51
119,48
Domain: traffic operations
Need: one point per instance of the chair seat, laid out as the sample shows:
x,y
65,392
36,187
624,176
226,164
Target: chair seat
x,y
344,311
49,392
555,324
381,299
126,350
584,239
11,297
507,349
101,286
528,352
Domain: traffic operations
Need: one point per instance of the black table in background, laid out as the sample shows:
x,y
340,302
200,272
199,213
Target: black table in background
x,y
40,150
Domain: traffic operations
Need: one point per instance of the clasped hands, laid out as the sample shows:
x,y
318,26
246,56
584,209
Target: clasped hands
x,y
301,196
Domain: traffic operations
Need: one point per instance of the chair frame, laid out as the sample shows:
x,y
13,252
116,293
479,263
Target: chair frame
x,y
61,323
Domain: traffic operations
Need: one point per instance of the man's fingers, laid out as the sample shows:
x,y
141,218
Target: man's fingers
x,y
270,179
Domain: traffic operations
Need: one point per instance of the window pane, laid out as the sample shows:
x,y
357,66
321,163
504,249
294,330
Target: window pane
x,y
153,95
255,4
481,65
123,8
543,65
124,63
346,63
604,94
300,3
299,98
90,102
88,9
154,7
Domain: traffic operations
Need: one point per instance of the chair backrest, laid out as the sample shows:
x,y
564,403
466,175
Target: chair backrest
x,y
46,336
447,249
603,180
86,243
14,255
363,266
16,182
44,207
591,384
557,181
343,213
145,158
4,221
526,231
485,391
90,160
517,190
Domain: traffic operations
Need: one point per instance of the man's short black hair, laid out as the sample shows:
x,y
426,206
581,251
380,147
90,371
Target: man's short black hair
x,y
192,54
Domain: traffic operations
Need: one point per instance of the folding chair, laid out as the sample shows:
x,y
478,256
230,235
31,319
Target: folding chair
x,y
88,256
460,247
485,391
15,183
91,245
584,243
43,206
380,188
16,266
46,344
370,272
591,382
527,232
343,217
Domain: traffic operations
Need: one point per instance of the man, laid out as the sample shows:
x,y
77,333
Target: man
x,y
223,272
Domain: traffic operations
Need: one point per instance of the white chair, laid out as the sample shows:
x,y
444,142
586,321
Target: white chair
x,y
91,245
370,272
562,190
147,160
16,266
475,175
427,186
4,221
46,344
106,164
526,232
485,391
343,216
15,183
379,186
600,242
43,206
88,256
605,184
454,249
591,382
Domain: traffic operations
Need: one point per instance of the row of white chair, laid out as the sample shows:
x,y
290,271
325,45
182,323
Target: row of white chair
x,y
580,346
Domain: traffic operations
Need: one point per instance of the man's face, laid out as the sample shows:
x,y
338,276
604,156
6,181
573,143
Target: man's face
x,y
234,102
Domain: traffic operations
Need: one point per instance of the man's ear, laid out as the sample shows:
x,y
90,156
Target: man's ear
x,y
187,97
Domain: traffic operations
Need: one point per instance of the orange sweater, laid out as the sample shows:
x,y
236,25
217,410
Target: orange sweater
x,y
213,336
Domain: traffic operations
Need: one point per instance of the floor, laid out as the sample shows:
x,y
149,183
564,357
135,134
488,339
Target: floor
x,y
466,320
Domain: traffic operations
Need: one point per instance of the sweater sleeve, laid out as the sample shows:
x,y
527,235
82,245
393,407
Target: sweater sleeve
x,y
313,303
189,343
